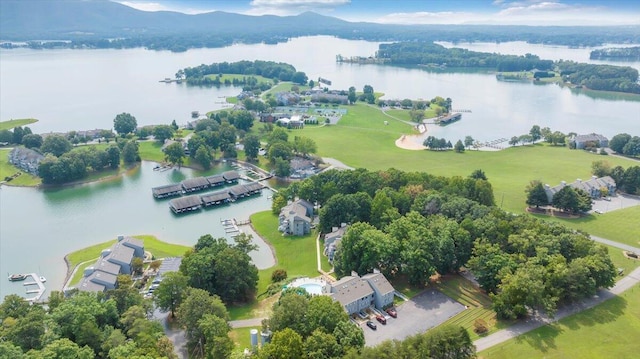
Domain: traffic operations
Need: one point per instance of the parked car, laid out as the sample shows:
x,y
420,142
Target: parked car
x,y
381,319
372,325
392,312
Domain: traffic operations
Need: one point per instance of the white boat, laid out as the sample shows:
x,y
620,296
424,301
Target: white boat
x,y
43,279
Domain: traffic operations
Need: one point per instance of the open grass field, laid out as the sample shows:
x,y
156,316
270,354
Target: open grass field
x,y
621,225
158,249
620,261
609,330
477,302
7,170
362,140
241,337
296,255
151,151
7,125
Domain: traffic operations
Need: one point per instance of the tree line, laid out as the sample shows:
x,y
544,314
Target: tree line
x,y
416,225
83,325
600,77
625,144
272,70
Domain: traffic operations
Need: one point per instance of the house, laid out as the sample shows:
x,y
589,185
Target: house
x,y
295,218
287,98
114,261
354,293
26,159
332,239
581,141
382,289
593,187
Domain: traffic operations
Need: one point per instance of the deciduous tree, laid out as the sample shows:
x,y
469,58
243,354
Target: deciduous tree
x,y
124,123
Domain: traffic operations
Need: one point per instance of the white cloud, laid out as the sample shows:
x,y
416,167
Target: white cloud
x,y
290,7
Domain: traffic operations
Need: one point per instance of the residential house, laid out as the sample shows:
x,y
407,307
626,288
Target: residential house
x,y
332,239
354,293
581,141
26,159
295,218
287,98
383,290
594,187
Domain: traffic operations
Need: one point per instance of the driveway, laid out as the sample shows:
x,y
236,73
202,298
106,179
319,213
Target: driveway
x,y
177,336
424,311
620,201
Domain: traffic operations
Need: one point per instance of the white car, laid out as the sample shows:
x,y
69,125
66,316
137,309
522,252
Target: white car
x,y
598,211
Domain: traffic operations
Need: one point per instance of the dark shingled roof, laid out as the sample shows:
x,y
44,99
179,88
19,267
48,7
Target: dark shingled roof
x,y
216,196
231,175
380,282
215,179
185,202
197,182
254,186
164,190
87,285
238,190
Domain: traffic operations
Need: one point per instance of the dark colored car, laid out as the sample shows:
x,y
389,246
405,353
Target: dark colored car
x,y
381,319
392,312
372,325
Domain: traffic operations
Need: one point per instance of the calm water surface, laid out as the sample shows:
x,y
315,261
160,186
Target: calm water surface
x,y
84,89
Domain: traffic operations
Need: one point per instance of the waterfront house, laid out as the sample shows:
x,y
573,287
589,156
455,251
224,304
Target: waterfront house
x,y
581,141
593,187
26,159
354,293
295,218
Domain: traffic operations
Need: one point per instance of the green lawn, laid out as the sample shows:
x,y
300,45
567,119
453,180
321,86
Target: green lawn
x,y
241,337
151,151
158,249
621,225
296,255
7,170
620,261
7,125
478,305
609,330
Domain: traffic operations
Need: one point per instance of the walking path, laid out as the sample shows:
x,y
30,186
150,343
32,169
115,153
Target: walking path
x,y
252,322
616,244
530,324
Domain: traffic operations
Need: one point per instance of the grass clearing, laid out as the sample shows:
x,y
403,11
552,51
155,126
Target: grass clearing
x,y
620,261
296,255
478,305
7,170
151,151
609,330
241,337
7,125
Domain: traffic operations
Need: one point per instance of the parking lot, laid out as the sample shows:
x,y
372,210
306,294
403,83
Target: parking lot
x,y
620,201
422,312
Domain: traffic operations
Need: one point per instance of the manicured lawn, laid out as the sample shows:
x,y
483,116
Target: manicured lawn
x,y
242,338
477,302
621,225
7,170
296,255
7,125
158,249
151,151
609,330
401,284
620,261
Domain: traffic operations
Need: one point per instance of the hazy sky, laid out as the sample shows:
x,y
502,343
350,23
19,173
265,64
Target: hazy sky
x,y
522,12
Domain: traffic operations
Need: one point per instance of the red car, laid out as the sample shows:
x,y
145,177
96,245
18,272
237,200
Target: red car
x,y
381,319
392,312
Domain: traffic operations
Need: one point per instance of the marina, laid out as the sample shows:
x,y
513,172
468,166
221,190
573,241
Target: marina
x,y
195,203
36,281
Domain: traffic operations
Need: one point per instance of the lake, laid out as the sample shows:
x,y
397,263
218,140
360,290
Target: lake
x,y
85,89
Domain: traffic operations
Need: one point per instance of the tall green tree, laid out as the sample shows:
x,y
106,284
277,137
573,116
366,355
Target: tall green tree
x,y
131,152
536,195
56,145
204,157
285,344
113,155
174,154
618,142
535,133
124,123
171,292
163,132
251,147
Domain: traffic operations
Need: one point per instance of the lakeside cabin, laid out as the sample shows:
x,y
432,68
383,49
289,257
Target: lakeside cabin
x,y
195,184
231,176
185,204
170,190
216,198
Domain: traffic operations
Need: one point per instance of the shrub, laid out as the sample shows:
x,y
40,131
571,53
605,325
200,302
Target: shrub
x,y
480,326
278,275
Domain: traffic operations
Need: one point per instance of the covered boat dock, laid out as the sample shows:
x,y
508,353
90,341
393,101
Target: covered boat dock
x,y
216,198
195,184
216,180
167,191
231,176
185,204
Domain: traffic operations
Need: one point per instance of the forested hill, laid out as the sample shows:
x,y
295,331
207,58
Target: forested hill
x,y
89,23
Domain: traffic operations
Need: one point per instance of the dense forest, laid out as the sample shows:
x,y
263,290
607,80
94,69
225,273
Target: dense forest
x,y
428,53
277,71
616,54
415,225
600,77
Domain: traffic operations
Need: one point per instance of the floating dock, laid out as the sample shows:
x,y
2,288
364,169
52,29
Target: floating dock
x,y
38,292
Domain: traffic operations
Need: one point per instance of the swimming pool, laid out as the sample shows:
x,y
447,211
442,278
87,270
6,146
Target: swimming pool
x,y
313,286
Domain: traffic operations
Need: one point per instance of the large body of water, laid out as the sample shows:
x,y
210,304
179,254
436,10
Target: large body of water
x,y
85,89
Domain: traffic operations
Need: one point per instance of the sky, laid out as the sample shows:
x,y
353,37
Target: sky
x,y
491,12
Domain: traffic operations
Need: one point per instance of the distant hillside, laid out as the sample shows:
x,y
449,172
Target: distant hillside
x,y
89,23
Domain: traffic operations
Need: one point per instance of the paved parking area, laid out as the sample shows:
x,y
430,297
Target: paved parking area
x,y
422,312
620,201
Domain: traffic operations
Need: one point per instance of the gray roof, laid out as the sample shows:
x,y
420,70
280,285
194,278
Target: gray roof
x,y
195,183
238,190
162,190
215,196
231,175
379,281
296,208
108,267
86,285
120,253
350,289
254,186
103,277
334,235
590,137
215,179
132,242
185,202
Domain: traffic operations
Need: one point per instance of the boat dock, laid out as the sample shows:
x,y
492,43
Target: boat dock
x,y
38,292
231,226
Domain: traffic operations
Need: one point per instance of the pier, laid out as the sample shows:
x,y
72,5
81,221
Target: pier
x,y
38,292
231,226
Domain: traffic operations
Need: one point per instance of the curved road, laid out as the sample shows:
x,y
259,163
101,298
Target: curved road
x,y
517,329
